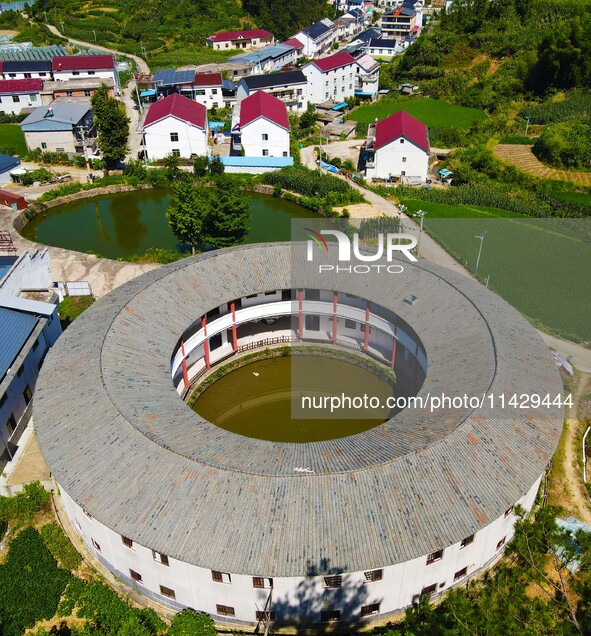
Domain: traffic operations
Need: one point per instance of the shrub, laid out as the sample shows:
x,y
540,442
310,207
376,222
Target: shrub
x,y
31,584
565,145
24,504
191,623
72,306
60,546
61,191
158,178
42,175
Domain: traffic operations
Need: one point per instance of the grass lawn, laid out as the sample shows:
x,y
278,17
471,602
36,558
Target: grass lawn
x,y
573,197
537,265
432,112
12,137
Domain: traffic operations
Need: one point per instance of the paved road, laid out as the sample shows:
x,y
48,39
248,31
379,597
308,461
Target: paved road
x,y
135,116
432,251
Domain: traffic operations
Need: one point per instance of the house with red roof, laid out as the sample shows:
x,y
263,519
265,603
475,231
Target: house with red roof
x,y
19,95
398,147
248,39
207,89
71,67
263,126
331,77
175,125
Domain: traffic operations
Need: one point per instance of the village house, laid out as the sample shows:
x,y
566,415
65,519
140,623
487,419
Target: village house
x,y
268,59
72,67
398,147
25,69
19,95
318,37
249,39
175,125
207,89
405,20
368,77
332,77
78,88
385,48
65,126
289,86
264,126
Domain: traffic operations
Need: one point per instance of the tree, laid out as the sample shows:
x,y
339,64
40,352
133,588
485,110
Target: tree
x,y
216,167
112,125
186,211
191,623
200,166
172,164
225,224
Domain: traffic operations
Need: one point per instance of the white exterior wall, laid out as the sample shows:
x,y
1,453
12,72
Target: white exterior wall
x,y
191,140
368,82
338,84
65,76
25,100
194,587
27,75
31,271
252,139
209,96
389,161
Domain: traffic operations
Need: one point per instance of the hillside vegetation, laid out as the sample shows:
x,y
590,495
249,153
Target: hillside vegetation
x,y
173,32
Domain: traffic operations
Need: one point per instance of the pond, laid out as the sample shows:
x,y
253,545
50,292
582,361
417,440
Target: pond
x,y
129,223
256,400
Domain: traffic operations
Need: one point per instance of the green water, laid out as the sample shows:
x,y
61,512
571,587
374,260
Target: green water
x,y
129,223
256,400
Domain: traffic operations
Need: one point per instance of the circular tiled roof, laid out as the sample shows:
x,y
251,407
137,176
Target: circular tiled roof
x,y
123,445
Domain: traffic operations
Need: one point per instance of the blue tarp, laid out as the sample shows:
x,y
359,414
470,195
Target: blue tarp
x,y
340,106
328,167
445,173
258,162
216,124
149,93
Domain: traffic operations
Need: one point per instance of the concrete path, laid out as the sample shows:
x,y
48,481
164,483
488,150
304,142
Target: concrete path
x,y
135,116
102,274
579,356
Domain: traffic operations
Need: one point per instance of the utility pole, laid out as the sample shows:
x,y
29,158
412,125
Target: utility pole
x,y
481,237
62,26
420,214
527,120
82,130
94,33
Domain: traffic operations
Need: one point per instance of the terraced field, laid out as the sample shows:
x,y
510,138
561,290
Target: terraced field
x,y
523,159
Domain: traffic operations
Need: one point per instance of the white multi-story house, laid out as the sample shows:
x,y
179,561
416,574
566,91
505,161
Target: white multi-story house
x,y
175,125
332,77
264,126
25,69
16,95
398,147
318,37
68,67
350,24
291,87
405,20
207,89
368,77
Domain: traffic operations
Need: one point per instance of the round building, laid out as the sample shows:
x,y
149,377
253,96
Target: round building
x,y
348,529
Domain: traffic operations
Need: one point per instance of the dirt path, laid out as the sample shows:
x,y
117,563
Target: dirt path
x,y
566,487
523,159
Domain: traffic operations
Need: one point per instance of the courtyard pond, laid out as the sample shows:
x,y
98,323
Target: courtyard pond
x,y
129,223
264,399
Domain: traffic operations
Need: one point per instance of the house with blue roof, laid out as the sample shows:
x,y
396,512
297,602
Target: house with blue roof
x,y
28,329
64,126
318,37
268,59
7,164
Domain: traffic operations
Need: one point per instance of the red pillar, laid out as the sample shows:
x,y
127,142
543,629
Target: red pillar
x,y
300,313
334,317
394,343
184,366
366,337
205,343
234,335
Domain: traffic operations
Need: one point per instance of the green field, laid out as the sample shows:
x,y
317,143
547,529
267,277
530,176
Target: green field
x,y
432,112
539,266
12,139
573,197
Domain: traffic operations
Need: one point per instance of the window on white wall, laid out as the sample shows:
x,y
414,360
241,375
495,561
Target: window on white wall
x,y
136,576
265,152
95,545
265,137
168,592
174,136
176,152
403,159
160,558
221,577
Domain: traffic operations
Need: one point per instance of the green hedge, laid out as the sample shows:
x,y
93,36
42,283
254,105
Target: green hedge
x,y
31,584
24,504
60,546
